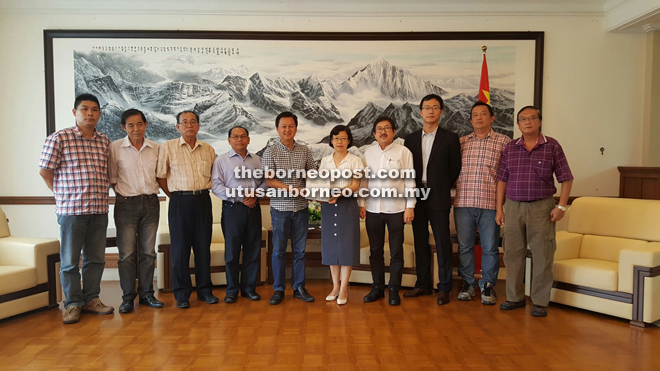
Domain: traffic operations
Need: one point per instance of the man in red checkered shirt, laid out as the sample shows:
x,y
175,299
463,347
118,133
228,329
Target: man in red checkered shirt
x,y
74,165
474,205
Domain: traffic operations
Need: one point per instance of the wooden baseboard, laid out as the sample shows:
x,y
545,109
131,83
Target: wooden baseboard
x,y
111,260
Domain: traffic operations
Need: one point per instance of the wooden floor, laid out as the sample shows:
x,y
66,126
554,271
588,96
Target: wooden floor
x,y
417,335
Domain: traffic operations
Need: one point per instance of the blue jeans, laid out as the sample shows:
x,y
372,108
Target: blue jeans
x,y
468,220
136,219
84,233
285,223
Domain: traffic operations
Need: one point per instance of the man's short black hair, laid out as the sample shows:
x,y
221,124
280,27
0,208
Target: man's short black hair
x,y
285,114
83,97
480,103
132,112
238,127
538,112
338,129
188,111
429,97
381,119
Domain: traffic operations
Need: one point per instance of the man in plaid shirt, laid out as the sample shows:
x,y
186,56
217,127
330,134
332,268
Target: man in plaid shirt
x,y
74,165
474,205
290,215
526,180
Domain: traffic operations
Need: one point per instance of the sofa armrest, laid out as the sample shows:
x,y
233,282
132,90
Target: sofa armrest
x,y
29,252
568,245
646,256
364,238
163,235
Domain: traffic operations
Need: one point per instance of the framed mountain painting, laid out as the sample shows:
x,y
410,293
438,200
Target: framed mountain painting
x,y
326,79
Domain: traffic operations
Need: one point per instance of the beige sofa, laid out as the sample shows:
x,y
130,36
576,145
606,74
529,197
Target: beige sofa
x,y
218,277
608,258
29,269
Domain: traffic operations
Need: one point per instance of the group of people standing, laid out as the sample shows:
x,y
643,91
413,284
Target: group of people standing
x,y
79,164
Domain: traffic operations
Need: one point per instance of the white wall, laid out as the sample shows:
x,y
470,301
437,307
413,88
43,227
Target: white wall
x,y
593,86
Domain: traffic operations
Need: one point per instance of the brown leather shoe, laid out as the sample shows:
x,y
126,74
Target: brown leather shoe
x,y
417,292
443,298
95,306
71,315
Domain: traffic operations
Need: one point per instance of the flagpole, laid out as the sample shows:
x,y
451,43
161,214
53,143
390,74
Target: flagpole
x,y
484,85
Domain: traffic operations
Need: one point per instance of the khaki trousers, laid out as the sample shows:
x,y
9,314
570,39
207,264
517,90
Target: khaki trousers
x,y
528,224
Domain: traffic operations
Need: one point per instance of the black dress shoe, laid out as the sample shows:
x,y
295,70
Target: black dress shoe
x,y
374,294
151,301
209,299
277,297
183,304
251,295
302,294
417,292
443,298
395,299
231,298
126,306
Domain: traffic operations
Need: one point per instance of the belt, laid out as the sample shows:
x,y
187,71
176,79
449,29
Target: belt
x,y
191,193
235,203
138,196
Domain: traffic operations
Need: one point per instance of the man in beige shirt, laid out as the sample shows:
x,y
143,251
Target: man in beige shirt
x,y
184,173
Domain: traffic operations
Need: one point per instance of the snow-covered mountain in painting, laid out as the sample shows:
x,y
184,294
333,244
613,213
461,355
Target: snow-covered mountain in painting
x,y
224,97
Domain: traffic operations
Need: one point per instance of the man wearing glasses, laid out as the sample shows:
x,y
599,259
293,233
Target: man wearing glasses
x,y
526,179
437,158
184,174
390,212
241,215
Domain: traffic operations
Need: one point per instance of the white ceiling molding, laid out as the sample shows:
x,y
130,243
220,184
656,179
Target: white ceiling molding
x,y
630,15
651,27
306,8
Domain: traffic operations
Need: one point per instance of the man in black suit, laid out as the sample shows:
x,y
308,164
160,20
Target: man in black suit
x,y
437,161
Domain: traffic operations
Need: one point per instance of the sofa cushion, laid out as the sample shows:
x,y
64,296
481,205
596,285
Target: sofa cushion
x,y
617,217
15,278
4,226
408,255
217,255
606,248
597,274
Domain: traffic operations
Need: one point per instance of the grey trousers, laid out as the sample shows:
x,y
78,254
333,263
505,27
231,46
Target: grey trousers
x,y
528,223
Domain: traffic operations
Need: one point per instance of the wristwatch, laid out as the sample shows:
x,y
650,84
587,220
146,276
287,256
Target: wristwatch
x,y
562,208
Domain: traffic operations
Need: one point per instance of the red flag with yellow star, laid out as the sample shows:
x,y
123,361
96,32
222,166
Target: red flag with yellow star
x,y
484,87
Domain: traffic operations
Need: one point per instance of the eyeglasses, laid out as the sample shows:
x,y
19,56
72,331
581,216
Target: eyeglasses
x,y
530,119
340,139
429,108
385,129
237,137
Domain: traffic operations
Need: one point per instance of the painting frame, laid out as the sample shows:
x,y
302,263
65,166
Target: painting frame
x,y
50,36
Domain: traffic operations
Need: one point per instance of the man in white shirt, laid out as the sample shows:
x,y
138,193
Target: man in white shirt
x,y
132,170
392,212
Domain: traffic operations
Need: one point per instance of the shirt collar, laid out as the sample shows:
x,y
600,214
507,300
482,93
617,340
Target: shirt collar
x,y
431,133
474,135
127,143
233,153
279,142
182,142
78,132
542,140
386,148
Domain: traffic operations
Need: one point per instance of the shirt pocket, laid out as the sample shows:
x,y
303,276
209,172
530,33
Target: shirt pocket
x,y
204,169
542,166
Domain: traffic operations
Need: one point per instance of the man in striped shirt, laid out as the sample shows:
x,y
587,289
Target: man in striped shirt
x,y
74,165
474,205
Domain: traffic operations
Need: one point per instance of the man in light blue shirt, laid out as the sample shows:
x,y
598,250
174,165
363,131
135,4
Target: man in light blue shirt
x,y
241,214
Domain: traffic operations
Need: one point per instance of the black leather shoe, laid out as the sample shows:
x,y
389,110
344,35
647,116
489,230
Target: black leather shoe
x,y
151,301
209,299
231,298
251,295
374,294
443,298
277,297
183,304
395,299
417,292
302,294
510,305
126,306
